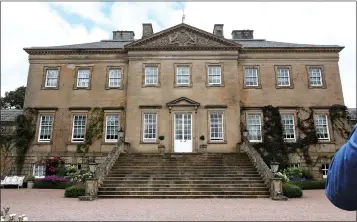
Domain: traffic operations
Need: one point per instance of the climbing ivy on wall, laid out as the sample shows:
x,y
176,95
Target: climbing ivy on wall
x,y
24,135
274,148
338,116
94,129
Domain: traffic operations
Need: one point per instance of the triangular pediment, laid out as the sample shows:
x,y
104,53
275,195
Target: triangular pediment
x,y
182,36
183,101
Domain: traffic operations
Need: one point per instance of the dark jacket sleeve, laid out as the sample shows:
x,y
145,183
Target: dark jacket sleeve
x,y
341,185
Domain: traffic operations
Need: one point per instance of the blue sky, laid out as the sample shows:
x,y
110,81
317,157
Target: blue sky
x,y
62,23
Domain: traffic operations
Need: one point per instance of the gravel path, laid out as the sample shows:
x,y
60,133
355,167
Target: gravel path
x,y
50,205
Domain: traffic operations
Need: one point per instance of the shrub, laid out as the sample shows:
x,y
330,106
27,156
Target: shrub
x,y
291,190
310,184
293,172
307,174
75,191
52,182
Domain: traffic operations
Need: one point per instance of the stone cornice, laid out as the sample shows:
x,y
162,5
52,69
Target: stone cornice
x,y
42,51
294,49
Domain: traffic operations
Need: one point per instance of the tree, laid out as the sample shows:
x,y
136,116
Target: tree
x,y
14,99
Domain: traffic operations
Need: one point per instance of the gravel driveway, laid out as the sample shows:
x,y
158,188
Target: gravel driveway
x,y
50,205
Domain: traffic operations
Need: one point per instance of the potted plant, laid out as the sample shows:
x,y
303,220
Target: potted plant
x,y
30,181
161,146
203,146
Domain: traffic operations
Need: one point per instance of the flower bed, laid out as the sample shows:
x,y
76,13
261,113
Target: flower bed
x,y
52,182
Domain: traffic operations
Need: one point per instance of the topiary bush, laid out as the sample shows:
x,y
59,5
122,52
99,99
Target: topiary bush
x,y
75,191
310,184
291,190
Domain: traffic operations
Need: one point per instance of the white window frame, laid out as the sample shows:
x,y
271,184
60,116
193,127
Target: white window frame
x,y
260,126
50,125
292,116
253,75
119,78
214,72
282,75
35,168
81,78
115,131
187,75
316,116
311,69
79,140
47,78
324,168
218,125
151,71
149,125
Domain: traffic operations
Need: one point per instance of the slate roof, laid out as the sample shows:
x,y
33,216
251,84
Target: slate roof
x,y
255,43
9,115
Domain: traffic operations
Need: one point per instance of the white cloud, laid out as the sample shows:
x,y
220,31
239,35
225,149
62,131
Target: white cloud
x,y
314,23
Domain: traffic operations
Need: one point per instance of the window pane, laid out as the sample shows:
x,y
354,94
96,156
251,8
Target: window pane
x,y
216,126
114,77
183,75
51,78
149,125
283,77
214,75
151,75
45,130
254,127
112,125
321,126
83,78
288,126
79,124
251,77
315,77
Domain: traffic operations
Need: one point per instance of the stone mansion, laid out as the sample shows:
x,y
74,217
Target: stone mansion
x,y
181,83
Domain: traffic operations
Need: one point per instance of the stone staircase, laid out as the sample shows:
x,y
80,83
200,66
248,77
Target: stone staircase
x,y
211,175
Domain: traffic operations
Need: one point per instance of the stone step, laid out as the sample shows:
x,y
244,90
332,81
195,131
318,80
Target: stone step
x,y
167,185
182,178
182,181
178,170
187,188
185,173
181,196
144,193
183,167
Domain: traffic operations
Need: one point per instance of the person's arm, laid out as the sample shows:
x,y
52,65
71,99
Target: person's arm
x,y
341,184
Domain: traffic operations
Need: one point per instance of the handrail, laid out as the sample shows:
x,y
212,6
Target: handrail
x,y
107,164
258,162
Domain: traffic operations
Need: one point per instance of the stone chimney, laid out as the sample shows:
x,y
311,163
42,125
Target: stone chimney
x,y
147,30
242,34
218,30
123,35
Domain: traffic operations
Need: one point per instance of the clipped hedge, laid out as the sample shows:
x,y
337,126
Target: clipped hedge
x,y
75,191
44,184
310,184
291,190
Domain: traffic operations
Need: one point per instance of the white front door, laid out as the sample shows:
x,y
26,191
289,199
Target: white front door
x,y
183,132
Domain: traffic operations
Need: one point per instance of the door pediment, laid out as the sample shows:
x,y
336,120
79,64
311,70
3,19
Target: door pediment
x,y
183,102
181,37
